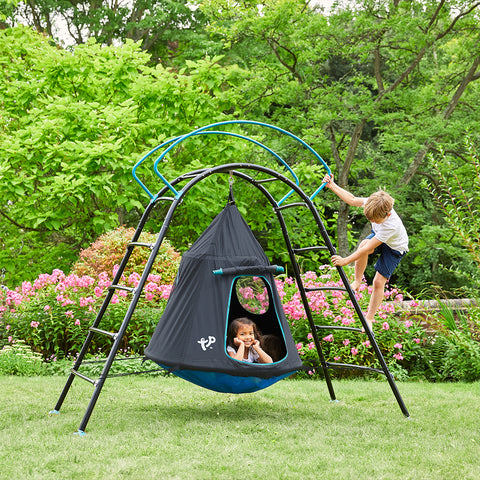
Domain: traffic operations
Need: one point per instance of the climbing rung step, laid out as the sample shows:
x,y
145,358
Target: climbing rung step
x,y
78,374
104,332
140,244
266,180
121,287
316,289
170,199
353,367
292,205
309,249
334,327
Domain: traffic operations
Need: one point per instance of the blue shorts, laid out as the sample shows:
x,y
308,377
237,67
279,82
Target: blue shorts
x,y
388,260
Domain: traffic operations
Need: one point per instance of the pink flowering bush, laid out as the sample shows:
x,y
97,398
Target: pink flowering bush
x,y
109,249
53,313
400,340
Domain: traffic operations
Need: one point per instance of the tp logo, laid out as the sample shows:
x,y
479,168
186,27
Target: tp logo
x,y
206,343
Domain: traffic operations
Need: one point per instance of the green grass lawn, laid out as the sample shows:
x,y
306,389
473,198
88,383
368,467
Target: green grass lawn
x,y
165,428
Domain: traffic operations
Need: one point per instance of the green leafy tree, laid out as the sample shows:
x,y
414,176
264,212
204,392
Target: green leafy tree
x,y
455,186
372,86
72,125
358,83
6,8
166,29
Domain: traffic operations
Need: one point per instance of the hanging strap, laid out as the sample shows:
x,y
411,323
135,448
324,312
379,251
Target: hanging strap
x,y
231,200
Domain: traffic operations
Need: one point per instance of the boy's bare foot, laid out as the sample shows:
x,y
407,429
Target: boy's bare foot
x,y
355,285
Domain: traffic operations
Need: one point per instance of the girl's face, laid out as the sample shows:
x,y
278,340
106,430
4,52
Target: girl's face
x,y
245,334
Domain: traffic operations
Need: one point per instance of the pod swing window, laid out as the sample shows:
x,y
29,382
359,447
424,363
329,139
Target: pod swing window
x,y
252,298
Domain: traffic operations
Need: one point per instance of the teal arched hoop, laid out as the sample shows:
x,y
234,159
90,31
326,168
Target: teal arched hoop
x,y
172,143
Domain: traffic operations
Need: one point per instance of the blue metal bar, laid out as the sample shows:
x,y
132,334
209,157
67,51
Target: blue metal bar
x,y
175,141
278,129
243,137
206,130
134,170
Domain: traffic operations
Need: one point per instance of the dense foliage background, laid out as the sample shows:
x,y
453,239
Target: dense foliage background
x,y
386,92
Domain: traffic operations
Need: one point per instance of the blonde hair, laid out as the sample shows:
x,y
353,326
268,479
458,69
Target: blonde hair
x,y
378,205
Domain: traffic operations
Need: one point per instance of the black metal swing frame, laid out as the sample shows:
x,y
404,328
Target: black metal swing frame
x,y
241,171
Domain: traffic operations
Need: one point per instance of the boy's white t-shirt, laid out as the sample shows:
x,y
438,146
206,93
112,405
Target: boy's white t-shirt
x,y
392,232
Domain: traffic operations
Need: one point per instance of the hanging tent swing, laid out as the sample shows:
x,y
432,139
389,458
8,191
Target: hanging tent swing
x,y
190,338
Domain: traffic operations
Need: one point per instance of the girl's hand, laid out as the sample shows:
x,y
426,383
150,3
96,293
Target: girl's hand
x,y
263,357
238,355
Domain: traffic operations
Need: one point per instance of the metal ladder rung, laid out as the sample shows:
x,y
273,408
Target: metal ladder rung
x,y
88,379
170,199
104,332
292,205
309,249
140,244
316,289
266,180
121,287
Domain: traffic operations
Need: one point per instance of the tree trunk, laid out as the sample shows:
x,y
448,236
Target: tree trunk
x,y
422,152
342,221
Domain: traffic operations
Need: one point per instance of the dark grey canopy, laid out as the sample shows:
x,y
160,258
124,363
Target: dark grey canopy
x,y
191,334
